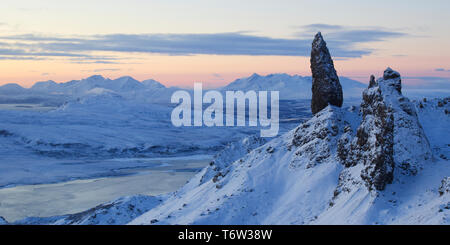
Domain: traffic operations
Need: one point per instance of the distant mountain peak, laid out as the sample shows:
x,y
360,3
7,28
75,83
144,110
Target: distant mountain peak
x,y
95,77
126,78
11,85
42,85
151,83
12,88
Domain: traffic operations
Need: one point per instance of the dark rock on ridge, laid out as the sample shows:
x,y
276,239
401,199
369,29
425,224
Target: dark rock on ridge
x,y
3,221
373,145
389,137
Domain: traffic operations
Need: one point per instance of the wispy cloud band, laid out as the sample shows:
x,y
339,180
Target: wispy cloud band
x,y
341,39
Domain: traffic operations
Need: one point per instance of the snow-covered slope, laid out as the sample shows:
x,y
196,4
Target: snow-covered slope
x,y
290,87
300,178
105,124
434,116
125,209
285,181
120,211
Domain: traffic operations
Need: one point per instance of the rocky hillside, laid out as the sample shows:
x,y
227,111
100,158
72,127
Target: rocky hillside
x,y
344,166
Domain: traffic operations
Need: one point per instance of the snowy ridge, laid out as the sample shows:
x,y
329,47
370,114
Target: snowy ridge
x,y
234,151
120,211
434,117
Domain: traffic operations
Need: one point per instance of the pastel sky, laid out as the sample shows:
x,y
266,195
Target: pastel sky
x,y
180,42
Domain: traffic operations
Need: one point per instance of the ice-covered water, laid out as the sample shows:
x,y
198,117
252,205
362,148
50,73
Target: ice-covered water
x,y
162,175
26,107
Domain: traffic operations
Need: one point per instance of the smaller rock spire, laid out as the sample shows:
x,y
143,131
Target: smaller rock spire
x,y
390,74
372,82
393,79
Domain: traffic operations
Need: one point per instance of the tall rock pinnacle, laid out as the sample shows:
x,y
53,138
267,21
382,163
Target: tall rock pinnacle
x,y
326,88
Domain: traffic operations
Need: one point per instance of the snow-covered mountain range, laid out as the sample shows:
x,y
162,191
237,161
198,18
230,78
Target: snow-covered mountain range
x,y
290,87
151,91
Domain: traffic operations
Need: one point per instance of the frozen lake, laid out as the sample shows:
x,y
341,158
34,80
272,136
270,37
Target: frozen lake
x,y
43,200
26,107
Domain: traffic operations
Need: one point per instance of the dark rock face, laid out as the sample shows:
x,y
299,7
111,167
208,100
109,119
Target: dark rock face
x,y
379,162
389,136
445,186
3,221
394,76
372,82
411,146
326,88
390,74
373,145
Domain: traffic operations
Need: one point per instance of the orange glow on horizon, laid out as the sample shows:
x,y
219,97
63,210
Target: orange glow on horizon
x,y
212,70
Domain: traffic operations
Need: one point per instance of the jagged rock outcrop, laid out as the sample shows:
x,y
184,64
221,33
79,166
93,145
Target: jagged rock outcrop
x,y
390,137
326,88
373,145
314,141
411,146
445,186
